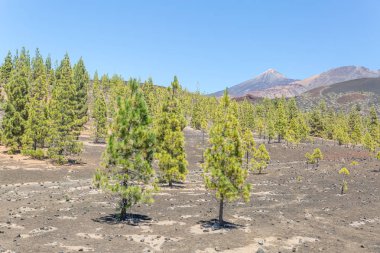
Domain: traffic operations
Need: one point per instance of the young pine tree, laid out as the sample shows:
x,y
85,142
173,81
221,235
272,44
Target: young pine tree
x,y
223,168
171,140
128,171
261,159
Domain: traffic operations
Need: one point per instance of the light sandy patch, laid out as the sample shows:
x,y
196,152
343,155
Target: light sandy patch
x,y
268,242
195,194
169,223
182,206
92,144
43,230
242,217
91,236
189,216
162,194
264,193
67,217
153,241
362,222
10,226
79,188
101,203
199,230
70,248
24,209
145,229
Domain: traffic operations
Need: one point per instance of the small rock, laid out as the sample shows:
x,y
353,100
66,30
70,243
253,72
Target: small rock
x,y
261,242
260,250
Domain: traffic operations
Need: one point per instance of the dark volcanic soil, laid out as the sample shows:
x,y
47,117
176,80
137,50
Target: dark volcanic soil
x,y
47,208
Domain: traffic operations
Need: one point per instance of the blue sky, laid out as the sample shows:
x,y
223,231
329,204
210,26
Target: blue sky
x,y
208,44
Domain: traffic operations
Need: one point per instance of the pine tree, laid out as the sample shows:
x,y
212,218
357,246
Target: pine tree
x,y
5,73
355,125
62,115
223,170
249,147
270,129
369,143
81,80
317,155
261,159
16,112
374,125
100,117
37,124
128,171
171,141
198,118
281,120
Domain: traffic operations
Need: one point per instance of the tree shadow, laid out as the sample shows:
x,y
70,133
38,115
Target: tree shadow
x,y
176,185
214,224
260,174
131,219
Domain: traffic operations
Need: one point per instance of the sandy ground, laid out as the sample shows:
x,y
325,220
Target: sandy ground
x,y
46,208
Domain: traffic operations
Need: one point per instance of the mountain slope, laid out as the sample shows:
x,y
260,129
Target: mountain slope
x,y
268,79
364,91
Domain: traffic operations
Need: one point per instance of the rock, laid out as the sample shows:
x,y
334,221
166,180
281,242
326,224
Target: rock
x,y
260,250
261,242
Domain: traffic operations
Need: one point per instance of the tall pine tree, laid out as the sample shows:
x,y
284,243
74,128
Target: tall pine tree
x,y
16,112
37,124
63,115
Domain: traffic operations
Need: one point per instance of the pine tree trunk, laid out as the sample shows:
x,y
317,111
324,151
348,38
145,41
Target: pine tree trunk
x,y
247,159
203,145
123,213
170,183
221,221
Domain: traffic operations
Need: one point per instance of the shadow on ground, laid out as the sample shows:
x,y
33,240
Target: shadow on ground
x,y
215,225
131,219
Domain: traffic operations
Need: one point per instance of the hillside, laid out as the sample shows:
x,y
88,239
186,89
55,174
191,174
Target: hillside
x,y
364,91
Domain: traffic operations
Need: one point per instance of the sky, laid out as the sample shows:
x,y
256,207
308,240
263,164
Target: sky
x,y
208,44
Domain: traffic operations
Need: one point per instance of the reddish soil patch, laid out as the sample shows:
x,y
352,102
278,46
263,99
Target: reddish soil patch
x,y
316,92
351,98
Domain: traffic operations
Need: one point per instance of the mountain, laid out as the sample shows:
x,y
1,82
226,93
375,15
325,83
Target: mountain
x,y
336,75
268,79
